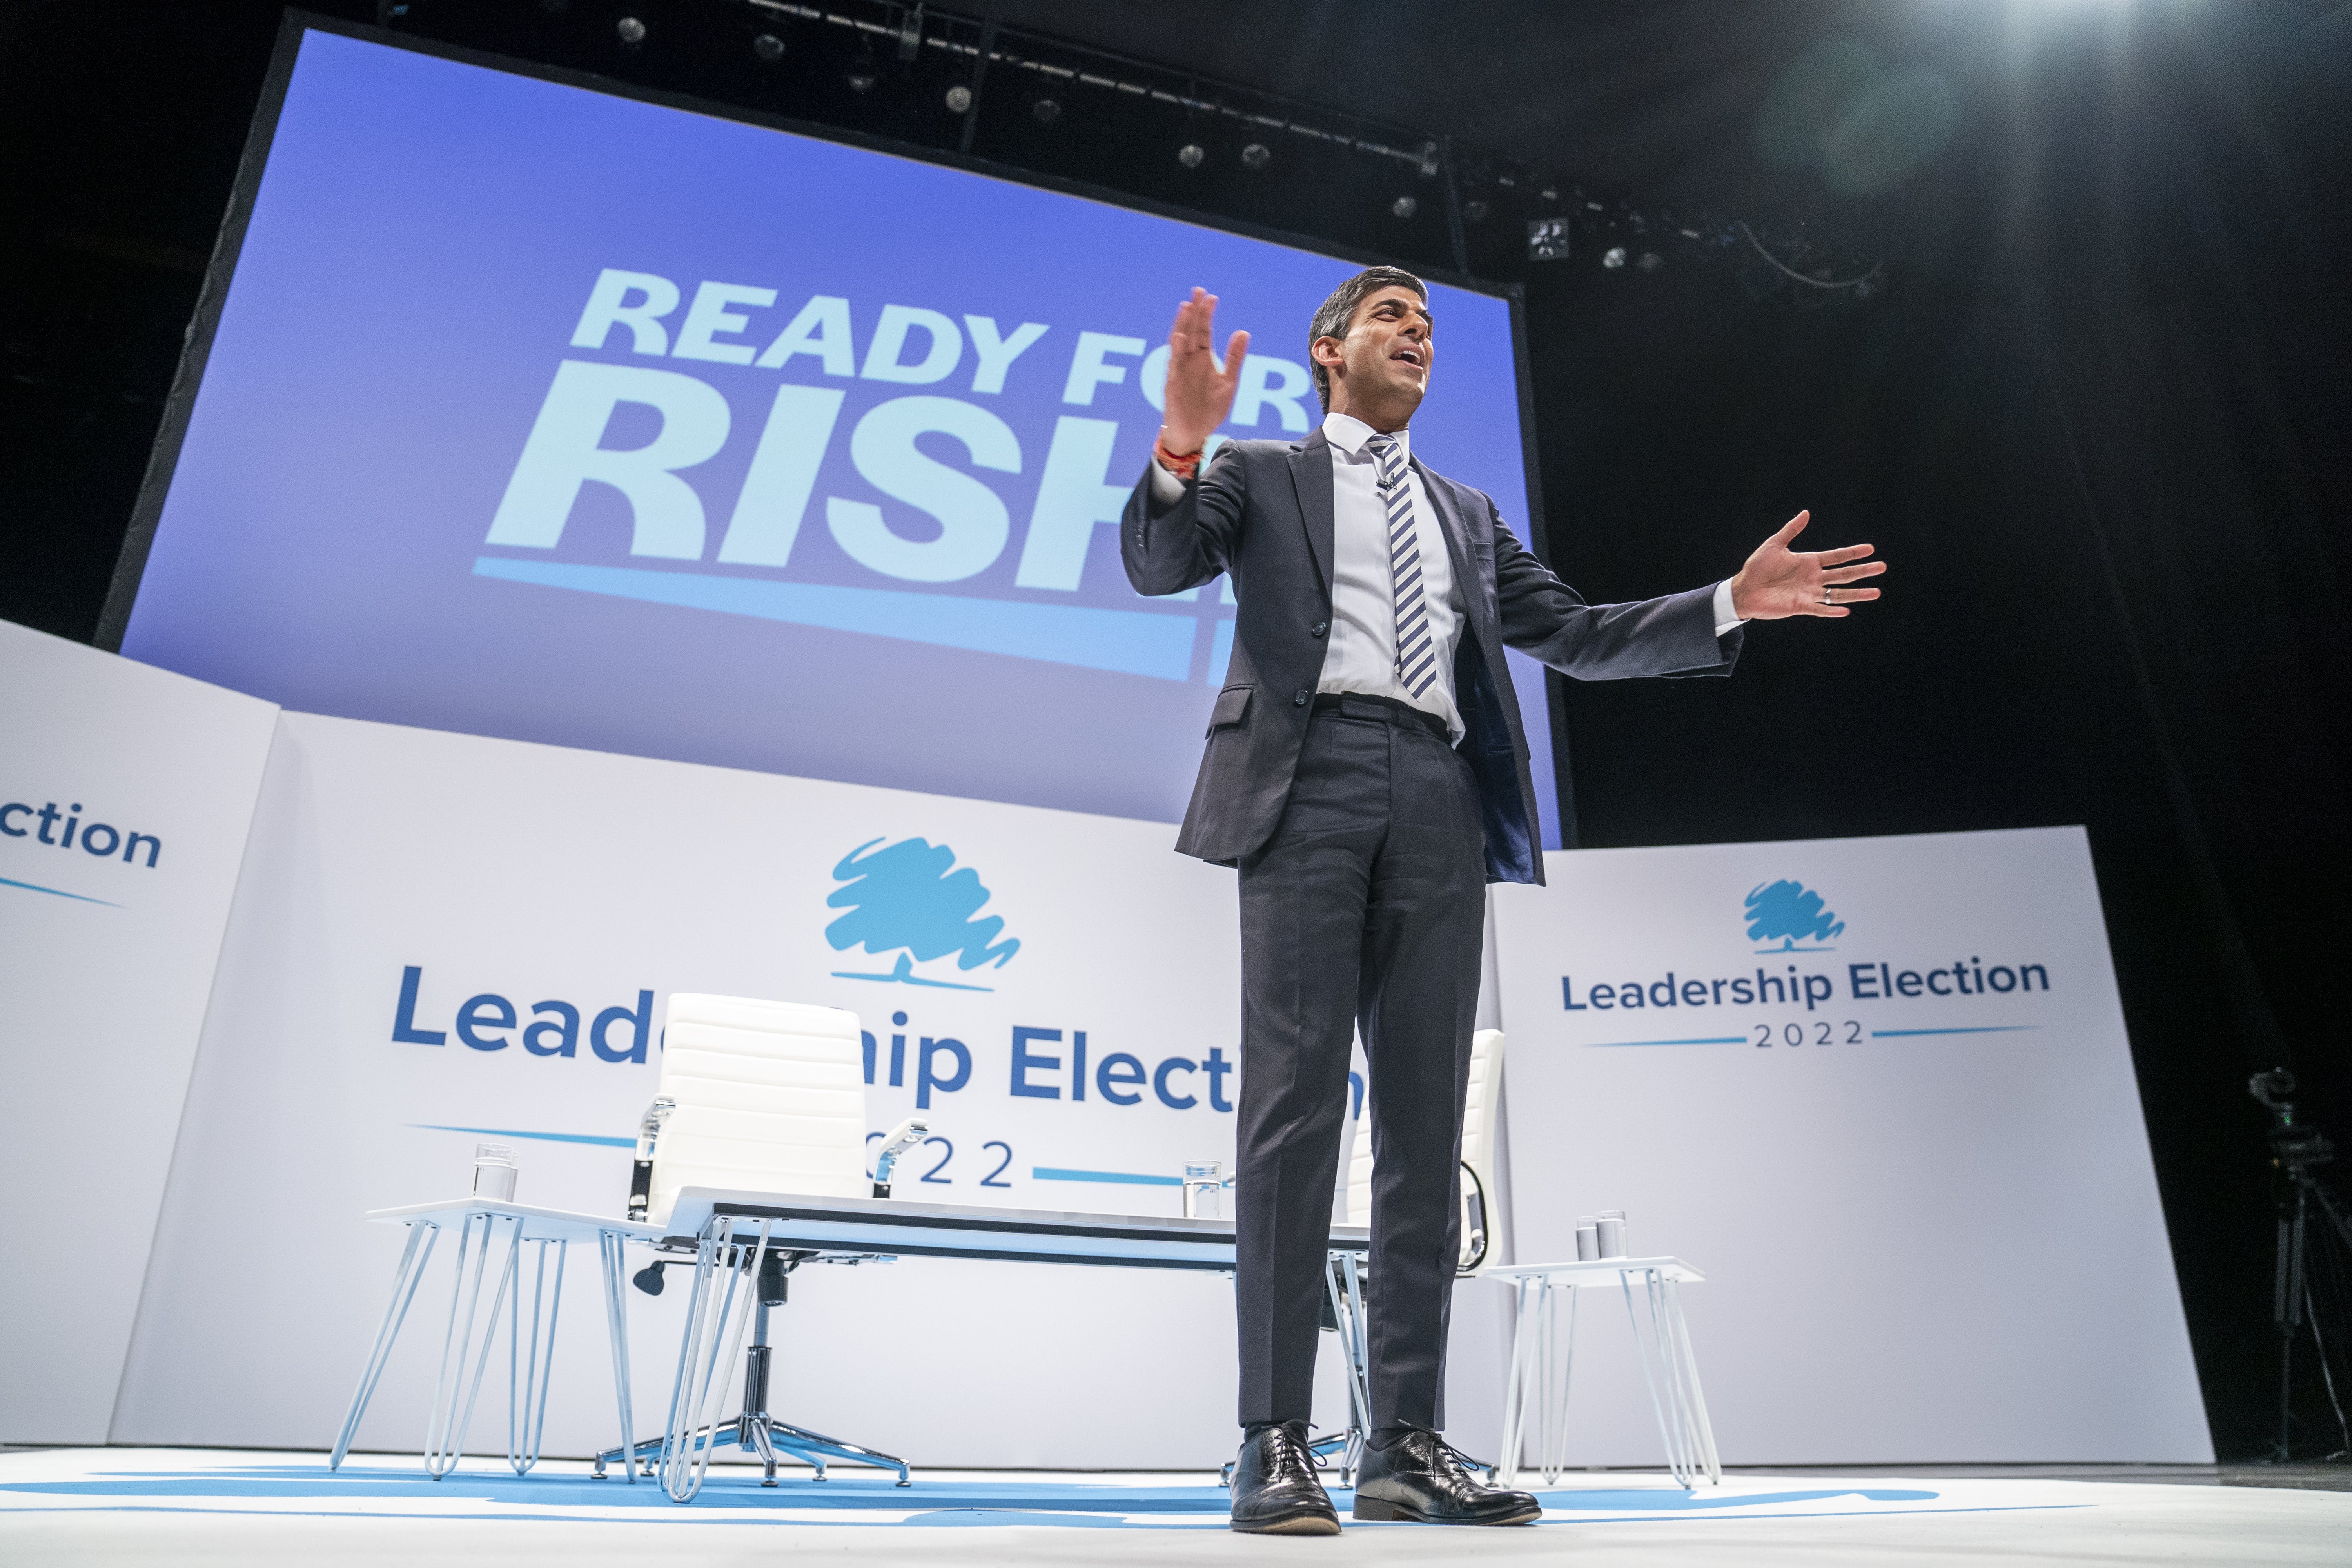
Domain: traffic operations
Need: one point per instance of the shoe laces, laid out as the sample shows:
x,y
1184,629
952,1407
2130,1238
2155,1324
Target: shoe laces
x,y
1448,1451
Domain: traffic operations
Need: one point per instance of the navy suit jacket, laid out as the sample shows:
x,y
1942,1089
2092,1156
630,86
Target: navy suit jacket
x,y
1262,512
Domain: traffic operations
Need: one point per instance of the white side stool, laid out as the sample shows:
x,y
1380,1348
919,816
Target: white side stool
x,y
1542,1356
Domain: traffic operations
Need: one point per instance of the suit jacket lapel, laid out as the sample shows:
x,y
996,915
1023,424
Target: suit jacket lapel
x,y
1310,474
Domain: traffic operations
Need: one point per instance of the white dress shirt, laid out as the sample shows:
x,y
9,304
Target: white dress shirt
x,y
1363,657
1363,599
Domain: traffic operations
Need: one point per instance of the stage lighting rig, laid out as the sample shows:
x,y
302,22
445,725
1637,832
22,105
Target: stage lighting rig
x,y
946,80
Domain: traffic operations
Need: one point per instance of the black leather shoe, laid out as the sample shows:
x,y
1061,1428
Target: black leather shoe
x,y
1419,1477
1275,1488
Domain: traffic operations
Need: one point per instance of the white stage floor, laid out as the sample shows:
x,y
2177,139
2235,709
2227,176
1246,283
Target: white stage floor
x,y
103,1506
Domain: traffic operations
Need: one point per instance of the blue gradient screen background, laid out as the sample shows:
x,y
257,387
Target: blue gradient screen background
x,y
876,563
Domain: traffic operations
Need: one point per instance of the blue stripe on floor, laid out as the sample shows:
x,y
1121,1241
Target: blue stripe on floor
x,y
851,1489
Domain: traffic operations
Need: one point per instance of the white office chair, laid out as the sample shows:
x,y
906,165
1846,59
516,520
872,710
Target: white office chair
x,y
1481,1106
764,1097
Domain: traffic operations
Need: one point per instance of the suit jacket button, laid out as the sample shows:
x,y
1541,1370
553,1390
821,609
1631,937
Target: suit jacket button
x,y
1318,629
1298,699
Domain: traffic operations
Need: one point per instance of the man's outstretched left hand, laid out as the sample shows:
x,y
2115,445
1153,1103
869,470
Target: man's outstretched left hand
x,y
1779,582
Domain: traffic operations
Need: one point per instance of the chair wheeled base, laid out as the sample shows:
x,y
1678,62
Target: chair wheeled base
x,y
682,1455
768,1437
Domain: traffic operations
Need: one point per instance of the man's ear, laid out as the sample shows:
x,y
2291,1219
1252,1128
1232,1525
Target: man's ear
x,y
1338,357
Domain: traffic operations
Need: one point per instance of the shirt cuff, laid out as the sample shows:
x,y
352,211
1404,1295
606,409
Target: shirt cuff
x,y
1168,490
1727,619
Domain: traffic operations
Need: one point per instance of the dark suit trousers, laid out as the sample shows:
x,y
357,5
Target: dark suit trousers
x,y
1366,907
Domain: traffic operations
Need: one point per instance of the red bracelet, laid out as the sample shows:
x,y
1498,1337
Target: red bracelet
x,y
1184,464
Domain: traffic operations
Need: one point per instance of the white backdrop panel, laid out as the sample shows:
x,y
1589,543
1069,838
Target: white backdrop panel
x,y
124,796
1923,1198
510,876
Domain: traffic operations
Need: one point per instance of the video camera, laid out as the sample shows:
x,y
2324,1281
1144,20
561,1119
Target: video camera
x,y
2293,1149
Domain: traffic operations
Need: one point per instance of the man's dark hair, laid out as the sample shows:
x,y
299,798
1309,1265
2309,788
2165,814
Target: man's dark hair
x,y
1333,316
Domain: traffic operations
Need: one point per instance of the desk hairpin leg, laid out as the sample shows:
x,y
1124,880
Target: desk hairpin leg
x,y
1343,1278
717,1319
609,1253
404,1279
529,1373
1681,1411
445,1431
1543,1360
1515,1383
1702,1430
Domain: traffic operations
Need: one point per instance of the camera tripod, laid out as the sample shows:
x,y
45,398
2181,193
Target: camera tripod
x,y
2313,1278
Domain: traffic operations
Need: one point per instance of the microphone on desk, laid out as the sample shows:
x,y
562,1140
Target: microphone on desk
x,y
899,1139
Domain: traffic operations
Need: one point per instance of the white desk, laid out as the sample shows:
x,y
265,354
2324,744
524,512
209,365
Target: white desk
x,y
877,1226
726,1232
1542,1358
481,1224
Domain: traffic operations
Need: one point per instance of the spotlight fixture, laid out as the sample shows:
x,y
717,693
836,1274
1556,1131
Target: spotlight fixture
x,y
1256,155
769,47
1648,261
1046,110
958,100
1547,239
1429,160
1190,154
1404,207
1475,212
1613,258
860,78
632,31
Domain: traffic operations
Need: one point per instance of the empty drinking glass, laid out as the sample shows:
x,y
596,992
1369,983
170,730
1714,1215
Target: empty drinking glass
x,y
494,1172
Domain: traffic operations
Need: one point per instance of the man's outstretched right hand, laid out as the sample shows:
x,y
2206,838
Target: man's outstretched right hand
x,y
1200,392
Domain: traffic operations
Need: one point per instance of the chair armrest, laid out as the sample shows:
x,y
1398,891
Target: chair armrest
x,y
641,1177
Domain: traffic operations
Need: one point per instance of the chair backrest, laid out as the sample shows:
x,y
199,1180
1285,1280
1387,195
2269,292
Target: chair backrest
x,y
1481,1209
770,1097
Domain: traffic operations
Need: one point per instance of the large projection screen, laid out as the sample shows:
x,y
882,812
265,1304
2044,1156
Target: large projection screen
x,y
538,411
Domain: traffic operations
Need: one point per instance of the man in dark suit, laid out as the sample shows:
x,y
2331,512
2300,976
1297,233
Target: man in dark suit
x,y
1366,774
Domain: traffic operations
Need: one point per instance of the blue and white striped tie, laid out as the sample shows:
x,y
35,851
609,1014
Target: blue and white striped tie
x,y
1416,658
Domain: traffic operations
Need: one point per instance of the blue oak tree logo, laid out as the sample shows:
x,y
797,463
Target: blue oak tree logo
x,y
1791,912
912,899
